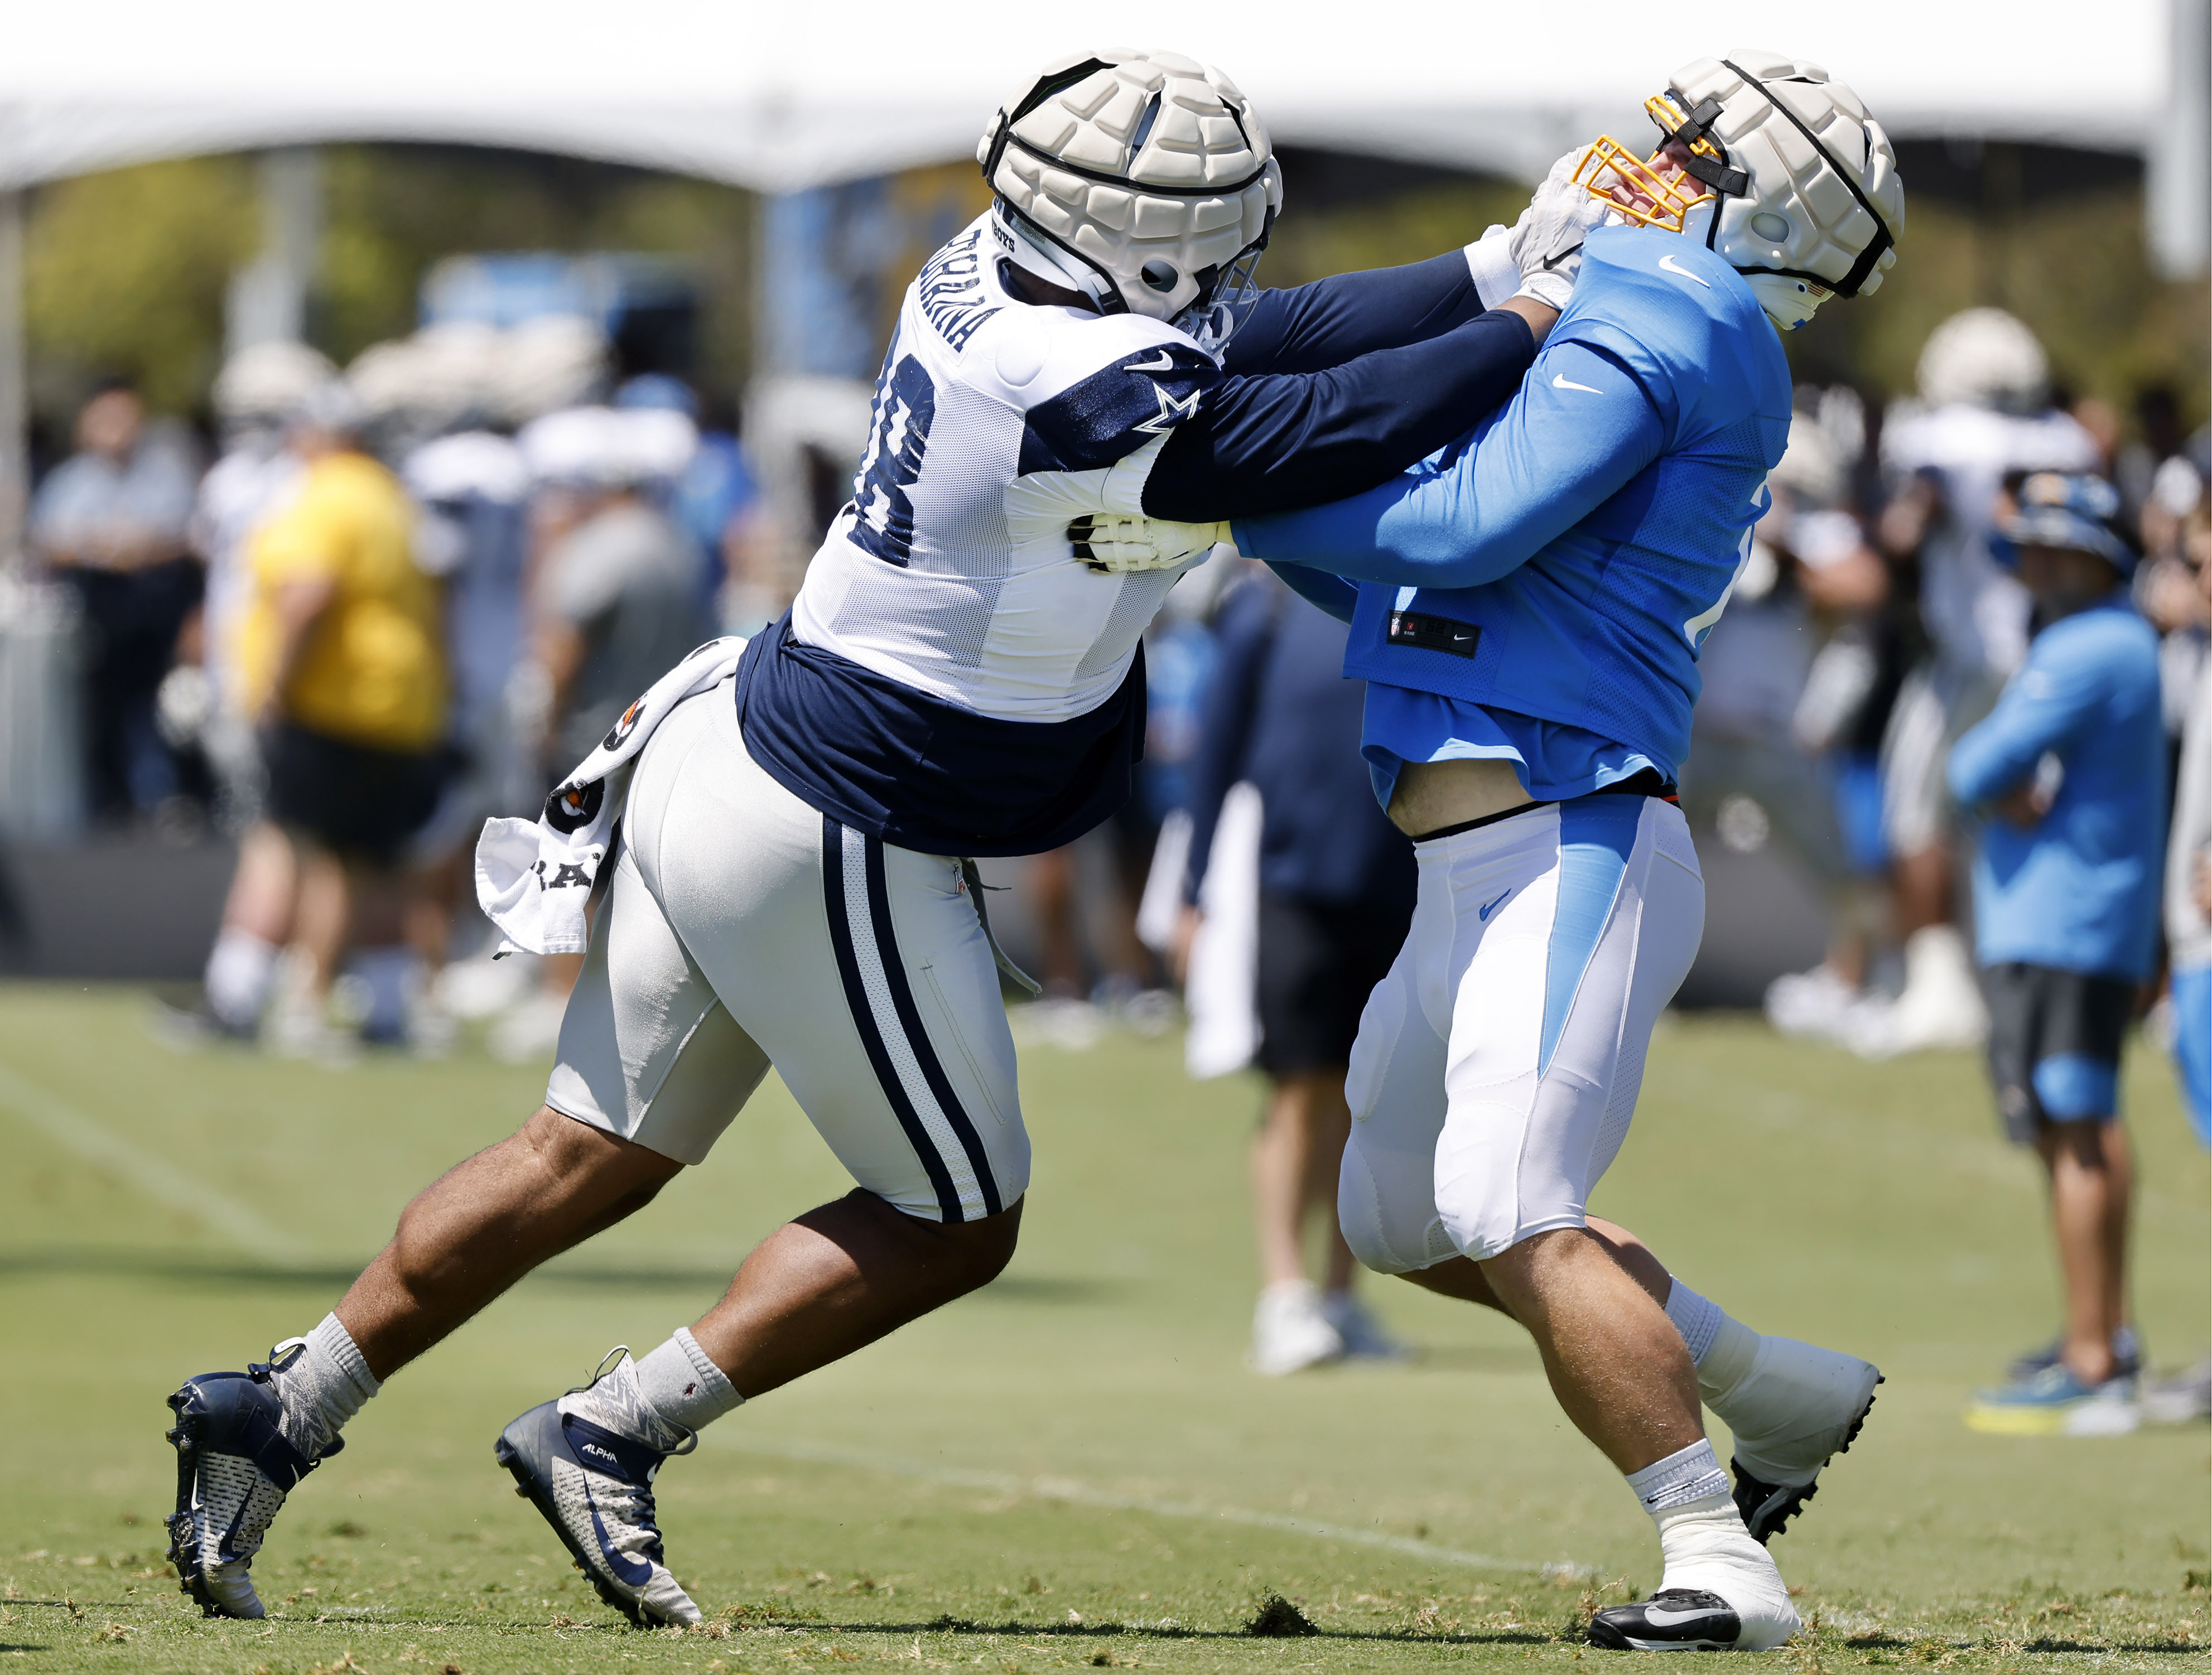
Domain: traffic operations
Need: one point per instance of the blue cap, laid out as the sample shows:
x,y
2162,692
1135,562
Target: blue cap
x,y
2071,513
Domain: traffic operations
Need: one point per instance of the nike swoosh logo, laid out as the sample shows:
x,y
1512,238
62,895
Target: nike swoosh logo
x,y
1551,262
1668,262
1166,365
1484,913
1660,1617
1561,381
636,1572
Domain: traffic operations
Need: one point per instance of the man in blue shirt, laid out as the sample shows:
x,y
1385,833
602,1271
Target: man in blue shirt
x,y
2071,766
1528,608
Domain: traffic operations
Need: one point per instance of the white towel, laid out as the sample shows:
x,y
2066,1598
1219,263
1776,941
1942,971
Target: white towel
x,y
534,878
1221,991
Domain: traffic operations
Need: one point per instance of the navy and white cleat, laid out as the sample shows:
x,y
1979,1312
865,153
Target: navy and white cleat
x,y
1799,1407
595,1487
235,1468
1674,1619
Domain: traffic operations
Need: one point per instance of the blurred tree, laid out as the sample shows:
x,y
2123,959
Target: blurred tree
x,y
125,272
1407,225
2074,268
390,211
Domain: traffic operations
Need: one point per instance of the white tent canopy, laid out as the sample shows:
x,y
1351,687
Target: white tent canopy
x,y
777,97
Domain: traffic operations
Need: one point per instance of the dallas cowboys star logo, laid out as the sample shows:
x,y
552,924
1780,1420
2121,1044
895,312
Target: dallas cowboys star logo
x,y
1173,411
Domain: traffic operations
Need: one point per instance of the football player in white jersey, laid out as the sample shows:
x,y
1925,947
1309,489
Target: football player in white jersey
x,y
794,882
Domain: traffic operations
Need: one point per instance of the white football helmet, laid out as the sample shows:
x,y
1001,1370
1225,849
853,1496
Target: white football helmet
x,y
1142,180
1984,358
1789,178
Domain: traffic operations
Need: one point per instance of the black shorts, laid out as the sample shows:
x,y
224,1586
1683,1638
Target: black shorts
x,y
1319,960
2055,1040
352,799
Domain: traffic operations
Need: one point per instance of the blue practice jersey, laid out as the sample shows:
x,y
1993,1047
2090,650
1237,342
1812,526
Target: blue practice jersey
x,y
1556,570
2080,889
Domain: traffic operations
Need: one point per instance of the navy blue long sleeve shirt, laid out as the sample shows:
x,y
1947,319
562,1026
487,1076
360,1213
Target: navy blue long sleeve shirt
x,y
1332,388
1280,715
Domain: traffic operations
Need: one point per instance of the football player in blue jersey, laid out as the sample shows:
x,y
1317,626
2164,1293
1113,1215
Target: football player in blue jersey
x,y
1527,609
794,883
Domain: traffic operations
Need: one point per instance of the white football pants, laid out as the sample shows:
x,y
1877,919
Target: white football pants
x,y
1497,1064
741,928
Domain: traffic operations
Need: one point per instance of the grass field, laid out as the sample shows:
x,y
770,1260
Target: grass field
x,y
1071,1468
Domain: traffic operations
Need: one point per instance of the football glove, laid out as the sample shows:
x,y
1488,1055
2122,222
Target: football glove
x,y
1546,242
1114,545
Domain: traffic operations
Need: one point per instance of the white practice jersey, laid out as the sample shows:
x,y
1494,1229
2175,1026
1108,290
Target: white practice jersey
x,y
1975,610
996,423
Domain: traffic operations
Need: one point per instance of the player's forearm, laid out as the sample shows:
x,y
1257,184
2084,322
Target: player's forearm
x,y
1271,443
1330,321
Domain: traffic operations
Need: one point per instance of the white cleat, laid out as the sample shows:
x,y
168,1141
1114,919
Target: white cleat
x,y
1289,1333
1797,1407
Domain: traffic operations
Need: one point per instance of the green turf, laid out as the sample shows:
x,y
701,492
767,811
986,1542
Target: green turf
x,y
1071,1468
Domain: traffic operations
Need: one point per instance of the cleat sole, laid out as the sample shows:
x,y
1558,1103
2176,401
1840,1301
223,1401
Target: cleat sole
x,y
183,1547
1766,1508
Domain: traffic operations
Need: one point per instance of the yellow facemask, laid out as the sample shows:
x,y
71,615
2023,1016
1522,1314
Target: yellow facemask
x,y
1608,164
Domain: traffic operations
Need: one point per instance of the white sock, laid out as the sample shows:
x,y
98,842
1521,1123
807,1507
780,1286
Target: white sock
x,y
682,1386
617,1399
1705,1547
1721,1348
322,1388
1687,1475
240,972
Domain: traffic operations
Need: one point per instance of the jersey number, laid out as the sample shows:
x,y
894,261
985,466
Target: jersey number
x,y
883,512
1699,626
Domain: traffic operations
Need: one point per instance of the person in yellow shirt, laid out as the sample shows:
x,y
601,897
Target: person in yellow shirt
x,y
342,663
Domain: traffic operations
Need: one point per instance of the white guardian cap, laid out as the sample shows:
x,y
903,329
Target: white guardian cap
x,y
1781,172
1142,180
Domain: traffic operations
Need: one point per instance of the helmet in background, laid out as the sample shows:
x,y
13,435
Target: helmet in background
x,y
266,384
1984,358
1141,180
1790,180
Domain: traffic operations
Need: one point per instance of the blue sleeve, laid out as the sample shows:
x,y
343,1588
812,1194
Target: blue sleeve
x,y
1266,442
1567,444
1331,321
1244,629
2044,709
1332,594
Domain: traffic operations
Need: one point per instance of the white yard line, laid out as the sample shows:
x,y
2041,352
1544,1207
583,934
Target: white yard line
x,y
1064,1489
72,1129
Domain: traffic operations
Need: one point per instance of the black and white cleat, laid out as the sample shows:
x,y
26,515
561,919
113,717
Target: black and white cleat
x,y
1674,1619
595,1487
234,1470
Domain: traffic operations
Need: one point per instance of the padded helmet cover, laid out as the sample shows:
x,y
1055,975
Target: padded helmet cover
x,y
1823,181
1149,168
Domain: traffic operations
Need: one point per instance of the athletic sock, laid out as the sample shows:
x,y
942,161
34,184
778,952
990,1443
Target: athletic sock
x,y
240,972
1688,1475
682,1386
321,1388
683,1397
1721,1348
1702,1539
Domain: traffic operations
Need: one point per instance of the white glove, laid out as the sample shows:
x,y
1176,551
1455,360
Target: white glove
x,y
1114,545
1546,242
